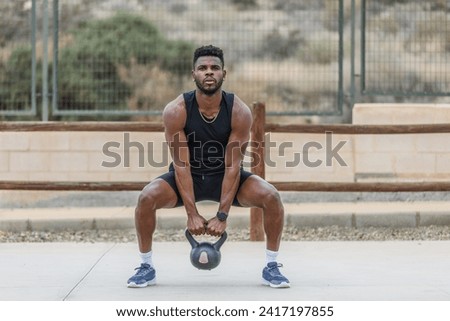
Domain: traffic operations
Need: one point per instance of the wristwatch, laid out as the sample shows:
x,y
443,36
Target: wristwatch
x,y
222,216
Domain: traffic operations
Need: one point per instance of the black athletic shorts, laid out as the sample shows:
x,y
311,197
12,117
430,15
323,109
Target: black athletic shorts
x,y
207,187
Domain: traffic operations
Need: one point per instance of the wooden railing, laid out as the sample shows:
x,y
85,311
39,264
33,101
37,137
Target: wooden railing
x,y
258,131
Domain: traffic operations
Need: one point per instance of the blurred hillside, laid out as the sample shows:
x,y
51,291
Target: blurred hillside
x,y
283,52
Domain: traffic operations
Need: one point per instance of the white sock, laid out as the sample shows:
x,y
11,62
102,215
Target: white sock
x,y
271,256
147,258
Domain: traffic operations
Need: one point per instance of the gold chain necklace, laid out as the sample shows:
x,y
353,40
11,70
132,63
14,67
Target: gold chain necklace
x,y
206,120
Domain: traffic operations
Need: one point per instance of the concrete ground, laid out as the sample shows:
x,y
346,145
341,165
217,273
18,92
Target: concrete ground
x,y
318,271
322,271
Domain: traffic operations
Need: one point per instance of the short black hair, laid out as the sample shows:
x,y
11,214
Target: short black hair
x,y
209,50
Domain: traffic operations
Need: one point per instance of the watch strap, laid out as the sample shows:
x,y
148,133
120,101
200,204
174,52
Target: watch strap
x,y
222,216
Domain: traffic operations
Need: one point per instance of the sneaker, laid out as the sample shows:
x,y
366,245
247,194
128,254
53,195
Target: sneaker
x,y
272,276
145,275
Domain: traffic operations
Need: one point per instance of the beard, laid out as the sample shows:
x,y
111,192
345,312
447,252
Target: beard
x,y
208,91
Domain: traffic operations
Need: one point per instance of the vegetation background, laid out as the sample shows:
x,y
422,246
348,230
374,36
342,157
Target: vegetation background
x,y
136,54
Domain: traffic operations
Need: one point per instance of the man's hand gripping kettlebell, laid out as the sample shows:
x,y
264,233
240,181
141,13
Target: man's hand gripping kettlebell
x,y
217,225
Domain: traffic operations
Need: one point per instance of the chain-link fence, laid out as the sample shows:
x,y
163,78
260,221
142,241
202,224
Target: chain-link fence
x,y
406,47
282,52
69,58
16,59
133,57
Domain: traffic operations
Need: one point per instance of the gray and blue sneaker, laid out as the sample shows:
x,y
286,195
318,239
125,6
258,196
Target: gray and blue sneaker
x,y
272,276
145,275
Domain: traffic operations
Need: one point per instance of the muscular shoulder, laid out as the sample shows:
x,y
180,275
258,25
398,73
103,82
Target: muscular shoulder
x,y
242,115
174,114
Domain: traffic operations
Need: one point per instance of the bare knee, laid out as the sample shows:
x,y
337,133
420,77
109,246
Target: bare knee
x,y
272,199
146,200
273,213
157,194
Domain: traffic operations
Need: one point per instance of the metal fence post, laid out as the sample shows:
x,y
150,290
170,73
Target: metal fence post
x,y
55,55
33,56
45,62
340,95
352,53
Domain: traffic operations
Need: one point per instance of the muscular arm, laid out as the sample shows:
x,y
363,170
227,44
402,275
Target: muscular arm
x,y
174,118
240,134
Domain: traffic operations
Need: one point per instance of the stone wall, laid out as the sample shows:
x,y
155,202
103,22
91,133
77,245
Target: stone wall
x,y
410,157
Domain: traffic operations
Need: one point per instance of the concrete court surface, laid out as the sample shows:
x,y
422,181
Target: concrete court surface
x,y
319,271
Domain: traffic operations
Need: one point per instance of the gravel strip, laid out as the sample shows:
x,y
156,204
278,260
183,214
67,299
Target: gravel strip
x,y
333,233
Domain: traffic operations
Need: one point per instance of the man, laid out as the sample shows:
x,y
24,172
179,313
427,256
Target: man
x,y
208,130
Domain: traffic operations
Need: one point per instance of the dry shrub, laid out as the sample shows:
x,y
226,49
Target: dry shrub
x,y
320,48
291,5
331,13
64,40
307,77
387,24
439,5
151,87
5,53
430,34
283,85
414,72
330,16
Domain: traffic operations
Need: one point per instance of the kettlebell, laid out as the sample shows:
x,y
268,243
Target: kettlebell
x,y
205,255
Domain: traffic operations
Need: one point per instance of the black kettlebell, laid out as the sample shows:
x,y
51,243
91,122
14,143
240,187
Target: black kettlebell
x,y
205,255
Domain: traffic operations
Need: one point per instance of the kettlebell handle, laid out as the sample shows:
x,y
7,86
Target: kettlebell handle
x,y
191,239
216,245
220,241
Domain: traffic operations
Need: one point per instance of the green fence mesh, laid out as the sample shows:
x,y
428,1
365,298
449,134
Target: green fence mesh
x,y
133,57
407,47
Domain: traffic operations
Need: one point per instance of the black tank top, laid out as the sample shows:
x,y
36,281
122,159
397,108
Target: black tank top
x,y
207,141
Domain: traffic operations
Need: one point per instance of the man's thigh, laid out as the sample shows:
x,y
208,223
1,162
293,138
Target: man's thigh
x,y
162,193
253,191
